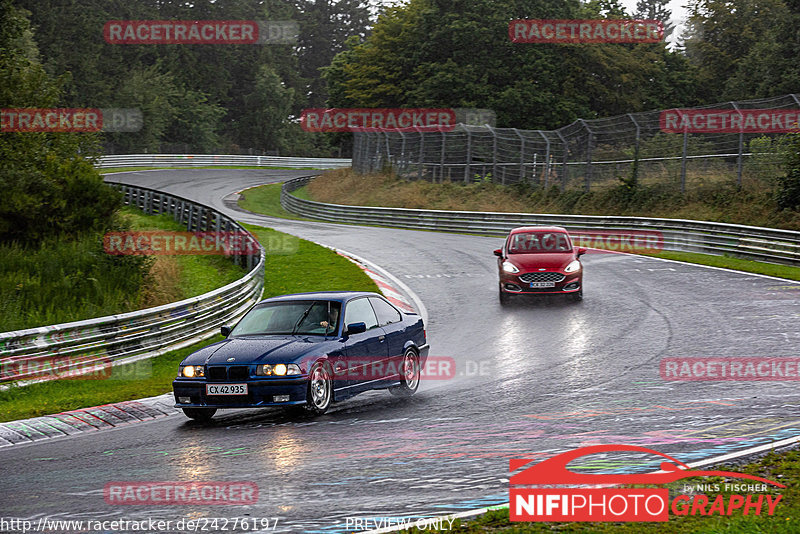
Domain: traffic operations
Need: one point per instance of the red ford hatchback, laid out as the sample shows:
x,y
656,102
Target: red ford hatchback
x,y
539,260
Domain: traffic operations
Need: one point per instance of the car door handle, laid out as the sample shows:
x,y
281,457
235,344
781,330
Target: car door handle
x,y
381,338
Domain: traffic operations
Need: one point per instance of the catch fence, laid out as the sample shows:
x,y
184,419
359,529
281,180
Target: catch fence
x,y
587,154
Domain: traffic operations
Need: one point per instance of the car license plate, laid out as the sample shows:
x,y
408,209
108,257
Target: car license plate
x,y
543,284
226,389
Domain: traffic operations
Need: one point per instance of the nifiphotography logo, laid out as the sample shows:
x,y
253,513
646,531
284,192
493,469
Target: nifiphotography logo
x,y
628,504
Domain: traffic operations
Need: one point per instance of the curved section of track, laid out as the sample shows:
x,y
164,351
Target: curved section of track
x,y
531,380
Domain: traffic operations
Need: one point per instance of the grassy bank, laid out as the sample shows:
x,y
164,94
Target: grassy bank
x,y
266,199
784,467
292,266
721,203
61,280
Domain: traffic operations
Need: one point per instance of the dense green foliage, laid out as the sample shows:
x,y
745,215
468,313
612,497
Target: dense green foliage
x,y
788,196
63,280
50,188
744,48
458,53
198,98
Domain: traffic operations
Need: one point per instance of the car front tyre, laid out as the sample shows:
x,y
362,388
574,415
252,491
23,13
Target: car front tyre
x,y
199,414
577,296
320,389
409,375
503,296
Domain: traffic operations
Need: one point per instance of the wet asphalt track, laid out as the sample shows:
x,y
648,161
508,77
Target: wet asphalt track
x,y
533,379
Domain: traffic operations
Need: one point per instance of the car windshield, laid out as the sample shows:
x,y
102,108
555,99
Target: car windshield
x,y
314,317
533,242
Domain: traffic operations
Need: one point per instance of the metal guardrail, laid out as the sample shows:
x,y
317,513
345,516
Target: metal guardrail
x,y
140,334
201,160
748,242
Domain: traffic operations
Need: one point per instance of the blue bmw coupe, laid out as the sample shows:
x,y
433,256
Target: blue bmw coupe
x,y
308,349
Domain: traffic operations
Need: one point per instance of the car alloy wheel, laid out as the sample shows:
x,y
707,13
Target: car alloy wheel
x,y
320,389
409,375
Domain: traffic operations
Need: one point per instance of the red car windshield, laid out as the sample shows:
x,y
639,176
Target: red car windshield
x,y
533,242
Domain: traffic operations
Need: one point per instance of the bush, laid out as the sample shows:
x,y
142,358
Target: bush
x,y
788,194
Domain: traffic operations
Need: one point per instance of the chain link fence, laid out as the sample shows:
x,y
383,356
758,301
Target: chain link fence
x,y
587,154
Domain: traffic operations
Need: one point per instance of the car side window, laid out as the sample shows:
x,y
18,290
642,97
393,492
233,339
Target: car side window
x,y
387,314
360,311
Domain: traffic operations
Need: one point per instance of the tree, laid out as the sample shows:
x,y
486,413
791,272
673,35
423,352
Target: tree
x,y
656,10
721,34
457,54
50,187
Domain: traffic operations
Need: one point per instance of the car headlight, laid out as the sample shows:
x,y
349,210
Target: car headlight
x,y
574,265
192,371
279,369
510,267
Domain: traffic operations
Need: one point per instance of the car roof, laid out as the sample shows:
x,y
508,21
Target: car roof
x,y
523,229
338,296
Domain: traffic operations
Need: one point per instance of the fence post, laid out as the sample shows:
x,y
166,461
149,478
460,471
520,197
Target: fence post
x,y
367,155
740,157
546,158
388,150
522,157
635,177
588,173
494,154
402,164
421,151
564,168
468,165
683,157
441,162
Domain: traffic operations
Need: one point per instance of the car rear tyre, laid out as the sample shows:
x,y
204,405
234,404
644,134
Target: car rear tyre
x,y
409,375
199,414
320,389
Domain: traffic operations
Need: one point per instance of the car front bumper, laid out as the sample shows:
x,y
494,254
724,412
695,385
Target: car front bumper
x,y
260,393
513,285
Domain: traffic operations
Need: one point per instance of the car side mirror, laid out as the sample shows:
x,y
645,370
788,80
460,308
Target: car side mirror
x,y
581,251
225,331
498,252
356,328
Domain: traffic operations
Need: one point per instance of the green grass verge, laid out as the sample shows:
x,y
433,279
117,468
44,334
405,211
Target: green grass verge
x,y
146,378
198,273
737,264
784,467
63,280
292,266
266,200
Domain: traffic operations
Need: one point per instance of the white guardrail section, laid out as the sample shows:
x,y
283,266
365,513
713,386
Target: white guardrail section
x,y
140,334
748,242
196,160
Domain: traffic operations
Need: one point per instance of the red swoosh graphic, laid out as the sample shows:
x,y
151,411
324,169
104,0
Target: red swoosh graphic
x,y
554,470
